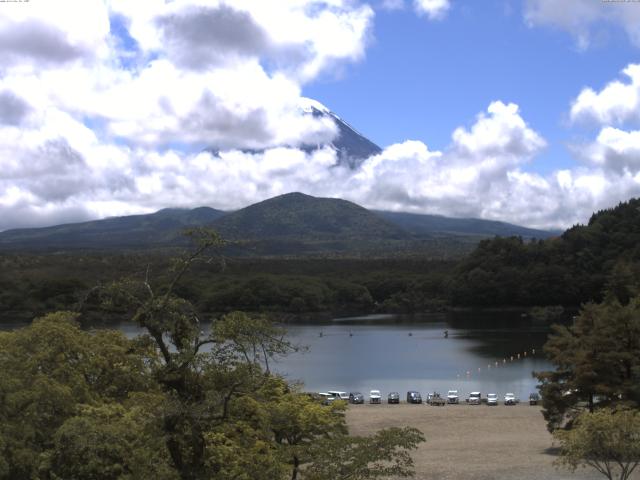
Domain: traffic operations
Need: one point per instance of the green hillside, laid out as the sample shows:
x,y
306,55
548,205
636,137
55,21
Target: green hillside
x,y
421,224
298,224
135,231
293,224
571,269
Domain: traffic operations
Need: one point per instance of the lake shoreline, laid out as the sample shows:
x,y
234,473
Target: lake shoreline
x,y
321,317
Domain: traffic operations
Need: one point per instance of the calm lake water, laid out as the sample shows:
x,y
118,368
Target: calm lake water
x,y
401,353
396,353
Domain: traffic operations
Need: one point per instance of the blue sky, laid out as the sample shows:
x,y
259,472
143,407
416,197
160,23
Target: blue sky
x,y
422,79
526,111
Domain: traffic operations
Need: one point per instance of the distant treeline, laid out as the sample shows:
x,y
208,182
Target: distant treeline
x,y
33,284
574,268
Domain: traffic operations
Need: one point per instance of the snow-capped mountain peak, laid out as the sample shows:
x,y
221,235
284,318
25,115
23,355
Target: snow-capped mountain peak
x,y
351,147
308,105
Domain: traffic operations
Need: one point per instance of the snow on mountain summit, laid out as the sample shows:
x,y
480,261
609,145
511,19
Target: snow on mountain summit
x,y
307,105
351,147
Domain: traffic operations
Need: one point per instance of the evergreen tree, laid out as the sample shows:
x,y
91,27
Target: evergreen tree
x,y
597,362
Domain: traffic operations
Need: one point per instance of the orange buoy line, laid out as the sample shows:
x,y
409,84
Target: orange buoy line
x,y
498,364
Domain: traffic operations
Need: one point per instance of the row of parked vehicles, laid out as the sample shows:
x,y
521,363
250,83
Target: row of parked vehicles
x,y
452,398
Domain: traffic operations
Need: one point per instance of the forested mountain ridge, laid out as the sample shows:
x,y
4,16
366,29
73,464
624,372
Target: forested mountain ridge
x,y
566,270
569,270
292,224
298,215
424,224
157,229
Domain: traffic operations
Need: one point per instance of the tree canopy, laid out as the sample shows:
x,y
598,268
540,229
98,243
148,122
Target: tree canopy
x,y
576,267
597,362
605,440
176,403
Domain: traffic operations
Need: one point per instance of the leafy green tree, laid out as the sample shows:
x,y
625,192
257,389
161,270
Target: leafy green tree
x,y
224,415
382,455
298,422
109,442
50,369
175,403
597,362
604,440
624,281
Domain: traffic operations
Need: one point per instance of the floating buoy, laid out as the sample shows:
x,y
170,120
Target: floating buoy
x,y
410,334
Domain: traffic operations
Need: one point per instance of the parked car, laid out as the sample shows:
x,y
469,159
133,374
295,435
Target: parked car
x,y
339,395
375,396
356,398
414,397
452,397
534,398
510,399
475,398
326,398
393,397
436,400
492,399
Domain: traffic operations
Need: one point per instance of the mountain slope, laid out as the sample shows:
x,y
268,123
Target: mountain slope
x,y
300,216
290,224
420,224
160,228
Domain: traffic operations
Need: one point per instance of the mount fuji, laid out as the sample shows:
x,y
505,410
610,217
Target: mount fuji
x,y
350,146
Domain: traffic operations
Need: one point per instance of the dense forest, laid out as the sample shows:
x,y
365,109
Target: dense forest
x,y
567,270
174,403
571,269
31,285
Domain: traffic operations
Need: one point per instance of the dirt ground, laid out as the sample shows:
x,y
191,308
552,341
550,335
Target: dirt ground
x,y
478,442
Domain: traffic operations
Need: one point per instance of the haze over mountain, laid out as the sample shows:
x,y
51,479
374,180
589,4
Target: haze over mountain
x,y
290,224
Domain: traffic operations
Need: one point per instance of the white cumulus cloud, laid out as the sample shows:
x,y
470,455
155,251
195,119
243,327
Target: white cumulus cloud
x,y
95,123
616,103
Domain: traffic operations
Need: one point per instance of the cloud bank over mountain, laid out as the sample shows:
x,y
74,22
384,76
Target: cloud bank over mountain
x,y
109,111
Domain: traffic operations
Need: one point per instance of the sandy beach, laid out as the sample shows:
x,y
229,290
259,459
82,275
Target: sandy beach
x,y
478,442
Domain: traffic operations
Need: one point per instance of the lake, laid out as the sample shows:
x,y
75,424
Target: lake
x,y
401,353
